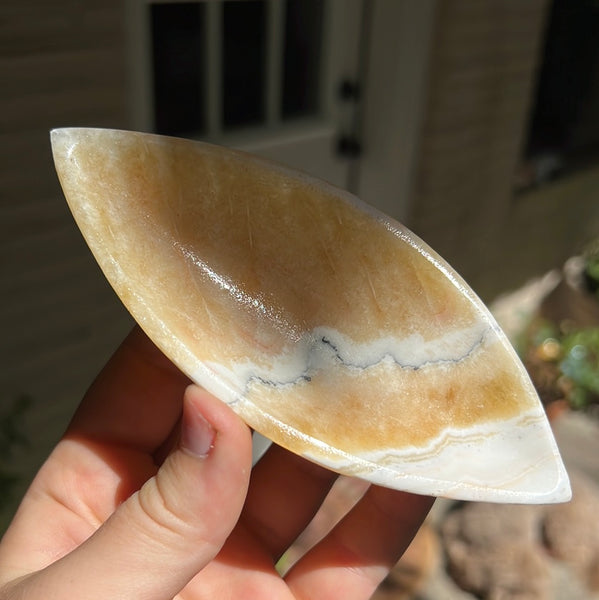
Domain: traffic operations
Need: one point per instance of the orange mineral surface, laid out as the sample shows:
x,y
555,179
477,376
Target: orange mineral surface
x,y
329,327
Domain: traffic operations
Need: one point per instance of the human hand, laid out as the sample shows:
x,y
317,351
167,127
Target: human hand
x,y
149,496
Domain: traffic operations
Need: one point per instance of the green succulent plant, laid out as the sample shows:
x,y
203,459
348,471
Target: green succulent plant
x,y
591,266
580,363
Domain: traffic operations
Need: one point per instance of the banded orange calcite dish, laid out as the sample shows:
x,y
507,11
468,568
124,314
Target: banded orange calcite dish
x,y
329,327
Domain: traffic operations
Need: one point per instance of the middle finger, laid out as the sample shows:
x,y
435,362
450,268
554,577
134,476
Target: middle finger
x,y
285,493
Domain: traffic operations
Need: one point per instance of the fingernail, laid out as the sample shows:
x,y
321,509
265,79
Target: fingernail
x,y
197,435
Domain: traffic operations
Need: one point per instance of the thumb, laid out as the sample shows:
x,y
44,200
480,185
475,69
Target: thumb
x,y
164,534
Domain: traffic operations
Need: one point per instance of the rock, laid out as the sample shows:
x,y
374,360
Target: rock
x,y
493,552
571,530
501,552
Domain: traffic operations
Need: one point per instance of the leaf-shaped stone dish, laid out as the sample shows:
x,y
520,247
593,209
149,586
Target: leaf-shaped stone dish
x,y
329,327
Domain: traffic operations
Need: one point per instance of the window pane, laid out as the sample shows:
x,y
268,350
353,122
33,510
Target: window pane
x,y
244,62
564,123
303,44
178,67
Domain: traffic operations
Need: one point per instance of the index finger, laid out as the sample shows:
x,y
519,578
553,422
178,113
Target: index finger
x,y
136,400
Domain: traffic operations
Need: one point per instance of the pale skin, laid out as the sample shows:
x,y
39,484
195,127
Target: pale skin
x,y
150,495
